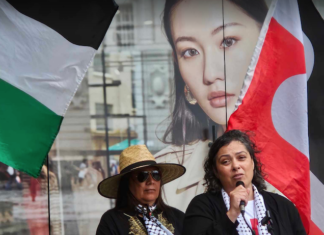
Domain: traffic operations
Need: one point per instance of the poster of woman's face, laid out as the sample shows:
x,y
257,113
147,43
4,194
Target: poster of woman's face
x,y
212,43
204,43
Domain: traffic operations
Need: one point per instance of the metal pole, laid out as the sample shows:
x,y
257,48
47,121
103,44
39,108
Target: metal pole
x,y
48,197
128,133
224,65
143,95
105,108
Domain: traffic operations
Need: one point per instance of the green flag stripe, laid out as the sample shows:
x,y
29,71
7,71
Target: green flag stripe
x,y
27,129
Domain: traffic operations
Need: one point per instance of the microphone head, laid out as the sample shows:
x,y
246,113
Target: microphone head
x,y
240,183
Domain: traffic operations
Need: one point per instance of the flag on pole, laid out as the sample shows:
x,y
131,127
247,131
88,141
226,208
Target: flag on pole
x,y
46,48
273,104
313,28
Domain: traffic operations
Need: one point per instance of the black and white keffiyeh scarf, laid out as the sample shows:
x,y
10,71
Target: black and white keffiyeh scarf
x,y
152,224
242,228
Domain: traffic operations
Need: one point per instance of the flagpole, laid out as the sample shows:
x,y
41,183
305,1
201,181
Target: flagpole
x,y
48,199
103,61
224,63
59,175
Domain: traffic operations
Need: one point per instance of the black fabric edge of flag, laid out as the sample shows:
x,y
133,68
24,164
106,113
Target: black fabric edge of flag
x,y
313,27
82,23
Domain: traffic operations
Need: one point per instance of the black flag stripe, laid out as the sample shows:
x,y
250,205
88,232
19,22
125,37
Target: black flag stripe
x,y
313,27
82,23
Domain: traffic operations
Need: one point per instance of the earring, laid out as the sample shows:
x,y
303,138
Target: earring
x,y
189,96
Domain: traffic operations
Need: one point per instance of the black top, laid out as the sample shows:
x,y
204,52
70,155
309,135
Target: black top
x,y
116,222
206,215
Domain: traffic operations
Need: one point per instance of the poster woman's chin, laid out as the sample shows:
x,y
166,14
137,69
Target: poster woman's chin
x,y
218,114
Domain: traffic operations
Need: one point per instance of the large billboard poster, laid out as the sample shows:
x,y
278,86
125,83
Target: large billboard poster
x,y
212,46
170,74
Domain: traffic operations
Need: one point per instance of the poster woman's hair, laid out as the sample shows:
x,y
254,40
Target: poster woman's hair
x,y
191,118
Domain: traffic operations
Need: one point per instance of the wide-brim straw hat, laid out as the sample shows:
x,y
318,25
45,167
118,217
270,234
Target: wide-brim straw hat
x,y
133,158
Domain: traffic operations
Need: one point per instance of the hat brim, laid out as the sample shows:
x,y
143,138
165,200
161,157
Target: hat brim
x,y
109,187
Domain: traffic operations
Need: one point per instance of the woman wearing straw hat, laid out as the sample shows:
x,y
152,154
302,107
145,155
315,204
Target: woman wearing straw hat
x,y
140,208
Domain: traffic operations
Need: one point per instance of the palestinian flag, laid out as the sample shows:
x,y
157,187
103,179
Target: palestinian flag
x,y
46,48
273,104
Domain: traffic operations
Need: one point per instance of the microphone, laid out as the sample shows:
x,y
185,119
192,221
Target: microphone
x,y
242,207
242,203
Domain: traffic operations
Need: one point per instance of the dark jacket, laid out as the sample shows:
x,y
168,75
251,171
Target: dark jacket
x,y
206,215
116,222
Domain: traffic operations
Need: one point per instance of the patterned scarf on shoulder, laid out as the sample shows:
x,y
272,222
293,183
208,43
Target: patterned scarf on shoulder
x,y
152,224
242,228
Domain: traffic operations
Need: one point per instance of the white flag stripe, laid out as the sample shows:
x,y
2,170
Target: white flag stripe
x,y
309,55
317,202
30,62
287,15
290,118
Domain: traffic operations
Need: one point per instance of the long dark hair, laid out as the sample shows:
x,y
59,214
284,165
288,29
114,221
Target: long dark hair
x,y
191,117
212,183
126,202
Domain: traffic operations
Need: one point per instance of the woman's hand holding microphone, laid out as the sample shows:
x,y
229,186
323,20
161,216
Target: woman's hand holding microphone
x,y
240,193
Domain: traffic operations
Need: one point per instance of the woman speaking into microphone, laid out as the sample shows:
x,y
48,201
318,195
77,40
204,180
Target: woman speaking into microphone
x,y
233,176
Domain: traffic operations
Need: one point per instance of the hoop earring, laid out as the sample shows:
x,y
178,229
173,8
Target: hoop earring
x,y
189,97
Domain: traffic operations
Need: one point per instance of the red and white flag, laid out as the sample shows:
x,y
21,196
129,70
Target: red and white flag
x,y
273,104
